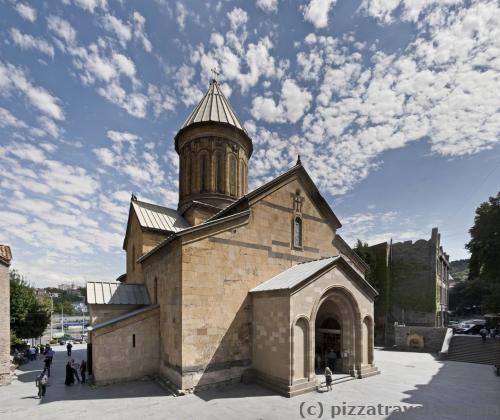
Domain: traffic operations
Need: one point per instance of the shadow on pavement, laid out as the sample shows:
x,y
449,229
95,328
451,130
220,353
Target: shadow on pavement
x,y
467,402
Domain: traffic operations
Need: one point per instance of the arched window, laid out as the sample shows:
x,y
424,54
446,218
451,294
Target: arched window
x,y
232,175
220,172
297,232
192,175
155,290
204,172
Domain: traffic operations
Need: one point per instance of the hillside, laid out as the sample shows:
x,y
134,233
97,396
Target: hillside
x,y
459,269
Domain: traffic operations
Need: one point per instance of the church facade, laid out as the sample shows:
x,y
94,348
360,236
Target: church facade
x,y
232,285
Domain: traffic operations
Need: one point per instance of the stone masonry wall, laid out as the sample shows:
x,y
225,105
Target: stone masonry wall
x,y
165,266
413,292
218,272
4,324
115,358
432,337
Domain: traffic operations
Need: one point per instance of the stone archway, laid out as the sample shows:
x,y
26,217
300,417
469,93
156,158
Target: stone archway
x,y
338,307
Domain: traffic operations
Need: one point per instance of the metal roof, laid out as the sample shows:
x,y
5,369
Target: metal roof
x,y
290,278
158,217
113,293
214,107
122,317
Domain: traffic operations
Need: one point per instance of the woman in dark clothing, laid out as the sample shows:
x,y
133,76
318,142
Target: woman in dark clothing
x,y
70,379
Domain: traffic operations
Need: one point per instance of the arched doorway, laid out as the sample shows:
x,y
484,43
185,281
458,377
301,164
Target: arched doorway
x,y
328,343
337,328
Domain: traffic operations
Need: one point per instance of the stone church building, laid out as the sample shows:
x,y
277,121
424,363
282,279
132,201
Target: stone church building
x,y
232,285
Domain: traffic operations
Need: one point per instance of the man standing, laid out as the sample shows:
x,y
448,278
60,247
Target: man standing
x,y
68,347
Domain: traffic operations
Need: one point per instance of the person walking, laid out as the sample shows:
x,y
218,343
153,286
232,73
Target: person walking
x,y
83,370
76,367
47,362
70,378
68,347
32,353
328,377
484,333
41,382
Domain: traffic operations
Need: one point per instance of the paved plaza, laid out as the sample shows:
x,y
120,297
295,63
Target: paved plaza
x,y
436,390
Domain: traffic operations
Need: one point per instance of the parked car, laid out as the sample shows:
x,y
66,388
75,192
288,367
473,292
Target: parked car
x,y
470,329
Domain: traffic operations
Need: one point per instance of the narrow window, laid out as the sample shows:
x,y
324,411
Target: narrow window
x,y
133,340
204,172
155,291
192,175
187,177
297,232
133,257
220,172
232,175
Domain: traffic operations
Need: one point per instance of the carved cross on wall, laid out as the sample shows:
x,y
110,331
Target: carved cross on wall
x,y
297,203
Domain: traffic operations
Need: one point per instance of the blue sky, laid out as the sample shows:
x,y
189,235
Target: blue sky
x,y
392,104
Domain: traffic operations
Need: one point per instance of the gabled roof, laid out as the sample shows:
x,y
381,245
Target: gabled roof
x,y
295,275
214,107
298,170
113,293
303,272
155,217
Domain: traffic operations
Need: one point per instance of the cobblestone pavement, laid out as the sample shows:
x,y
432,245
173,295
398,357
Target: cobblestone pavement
x,y
436,390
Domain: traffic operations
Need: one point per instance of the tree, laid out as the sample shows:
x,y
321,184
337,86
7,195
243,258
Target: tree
x,y
484,246
363,251
29,314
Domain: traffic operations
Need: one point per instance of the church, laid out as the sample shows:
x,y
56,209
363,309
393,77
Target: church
x,y
232,285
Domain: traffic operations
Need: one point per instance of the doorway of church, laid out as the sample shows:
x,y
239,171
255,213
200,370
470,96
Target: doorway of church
x,y
328,345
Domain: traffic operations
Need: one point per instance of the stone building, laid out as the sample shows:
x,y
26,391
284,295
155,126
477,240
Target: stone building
x,y
5,368
413,280
233,284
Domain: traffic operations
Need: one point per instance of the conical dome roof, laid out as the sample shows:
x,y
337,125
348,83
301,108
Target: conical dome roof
x,y
214,107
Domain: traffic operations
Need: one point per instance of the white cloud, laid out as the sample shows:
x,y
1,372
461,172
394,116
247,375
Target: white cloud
x,y
26,12
122,30
237,18
91,5
121,136
9,120
317,11
27,42
293,102
181,12
14,78
268,5
62,28
140,31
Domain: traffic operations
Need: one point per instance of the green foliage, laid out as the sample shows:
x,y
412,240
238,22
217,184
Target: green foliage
x,y
484,245
29,315
363,251
66,298
482,287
